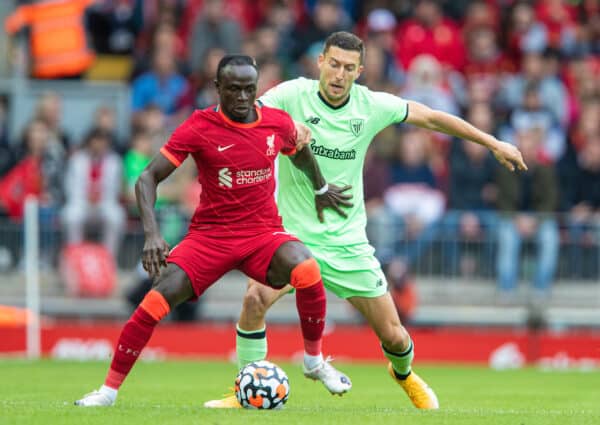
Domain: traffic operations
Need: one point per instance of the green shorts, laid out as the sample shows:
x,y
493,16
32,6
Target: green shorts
x,y
350,271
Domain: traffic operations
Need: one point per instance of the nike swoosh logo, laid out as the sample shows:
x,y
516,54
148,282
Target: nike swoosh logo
x,y
224,148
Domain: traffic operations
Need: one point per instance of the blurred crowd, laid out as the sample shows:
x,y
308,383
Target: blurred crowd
x,y
525,71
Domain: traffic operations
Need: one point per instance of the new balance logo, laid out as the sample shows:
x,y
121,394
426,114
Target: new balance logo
x,y
224,148
313,120
225,179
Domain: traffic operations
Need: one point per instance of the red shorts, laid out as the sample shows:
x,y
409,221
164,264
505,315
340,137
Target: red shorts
x,y
206,258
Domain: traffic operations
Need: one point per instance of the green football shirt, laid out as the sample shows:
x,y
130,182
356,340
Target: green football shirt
x,y
340,138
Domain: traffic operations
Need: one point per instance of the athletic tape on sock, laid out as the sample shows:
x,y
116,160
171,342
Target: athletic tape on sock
x,y
155,305
305,274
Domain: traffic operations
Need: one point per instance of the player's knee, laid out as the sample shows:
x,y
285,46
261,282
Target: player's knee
x,y
254,304
155,304
395,338
174,285
305,274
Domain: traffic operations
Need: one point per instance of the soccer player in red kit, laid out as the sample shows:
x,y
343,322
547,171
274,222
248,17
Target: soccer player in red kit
x,y
236,225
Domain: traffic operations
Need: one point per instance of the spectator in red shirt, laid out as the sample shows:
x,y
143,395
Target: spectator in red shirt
x,y
559,20
25,178
429,32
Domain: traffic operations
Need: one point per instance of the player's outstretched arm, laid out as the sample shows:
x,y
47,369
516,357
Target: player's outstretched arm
x,y
327,195
425,117
156,248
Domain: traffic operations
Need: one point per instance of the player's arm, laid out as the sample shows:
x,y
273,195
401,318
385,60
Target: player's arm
x,y
327,195
425,117
156,248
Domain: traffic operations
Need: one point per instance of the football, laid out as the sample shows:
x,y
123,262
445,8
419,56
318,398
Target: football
x,y
262,385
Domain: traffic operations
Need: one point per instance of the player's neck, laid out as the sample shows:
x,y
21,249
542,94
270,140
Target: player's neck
x,y
252,116
333,104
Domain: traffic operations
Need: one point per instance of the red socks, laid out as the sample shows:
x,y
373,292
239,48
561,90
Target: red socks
x,y
311,305
310,302
134,337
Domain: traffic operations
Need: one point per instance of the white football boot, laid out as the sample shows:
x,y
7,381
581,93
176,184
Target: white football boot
x,y
335,381
95,398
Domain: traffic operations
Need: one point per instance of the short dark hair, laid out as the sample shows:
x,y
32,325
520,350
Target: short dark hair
x,y
346,41
235,60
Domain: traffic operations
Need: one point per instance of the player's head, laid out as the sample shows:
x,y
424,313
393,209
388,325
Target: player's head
x,y
340,65
237,77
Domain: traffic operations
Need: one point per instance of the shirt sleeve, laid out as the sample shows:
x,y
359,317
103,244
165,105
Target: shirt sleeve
x,y
289,135
389,109
276,96
182,142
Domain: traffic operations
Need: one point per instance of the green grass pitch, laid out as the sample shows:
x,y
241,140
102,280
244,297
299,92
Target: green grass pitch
x,y
173,392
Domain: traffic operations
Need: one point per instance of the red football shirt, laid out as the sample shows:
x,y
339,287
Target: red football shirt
x,y
235,164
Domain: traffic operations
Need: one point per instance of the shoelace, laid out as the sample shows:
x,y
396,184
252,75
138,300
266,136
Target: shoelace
x,y
421,396
325,365
95,392
418,392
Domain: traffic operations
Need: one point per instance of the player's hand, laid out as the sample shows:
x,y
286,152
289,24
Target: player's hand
x,y
154,254
508,155
303,135
334,198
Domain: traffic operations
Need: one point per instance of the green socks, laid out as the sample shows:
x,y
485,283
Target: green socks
x,y
251,346
401,361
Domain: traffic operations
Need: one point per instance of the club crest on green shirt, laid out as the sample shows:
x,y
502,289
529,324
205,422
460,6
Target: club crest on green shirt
x,y
356,125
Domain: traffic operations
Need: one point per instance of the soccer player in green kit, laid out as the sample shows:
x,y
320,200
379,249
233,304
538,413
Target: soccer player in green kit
x,y
344,117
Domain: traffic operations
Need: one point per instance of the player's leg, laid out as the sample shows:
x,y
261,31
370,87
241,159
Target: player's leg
x,y
192,266
251,340
353,273
265,265
293,262
397,346
251,335
170,289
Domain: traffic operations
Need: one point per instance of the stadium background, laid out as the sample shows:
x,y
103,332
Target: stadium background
x,y
82,84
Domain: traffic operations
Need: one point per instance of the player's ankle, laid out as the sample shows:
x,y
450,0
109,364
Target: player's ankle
x,y
109,392
312,361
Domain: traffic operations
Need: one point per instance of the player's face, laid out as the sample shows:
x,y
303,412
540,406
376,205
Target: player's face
x,y
339,69
237,91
